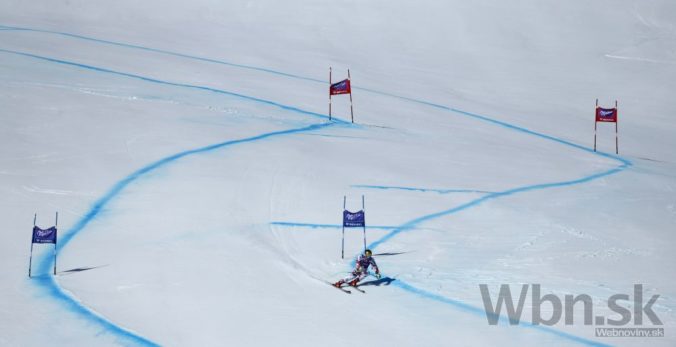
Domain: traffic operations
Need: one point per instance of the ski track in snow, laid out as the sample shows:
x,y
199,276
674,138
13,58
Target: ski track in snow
x,y
49,283
424,190
643,60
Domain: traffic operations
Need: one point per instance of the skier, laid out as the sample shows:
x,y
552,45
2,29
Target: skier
x,y
361,270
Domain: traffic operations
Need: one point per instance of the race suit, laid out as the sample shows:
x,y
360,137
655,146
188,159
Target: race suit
x,y
361,270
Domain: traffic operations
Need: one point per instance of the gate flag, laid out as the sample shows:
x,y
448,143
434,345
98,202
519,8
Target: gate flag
x,y
353,219
342,87
606,114
44,235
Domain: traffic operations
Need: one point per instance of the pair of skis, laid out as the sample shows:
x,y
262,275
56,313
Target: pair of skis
x,y
347,291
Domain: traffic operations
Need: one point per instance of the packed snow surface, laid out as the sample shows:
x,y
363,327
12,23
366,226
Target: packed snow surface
x,y
199,181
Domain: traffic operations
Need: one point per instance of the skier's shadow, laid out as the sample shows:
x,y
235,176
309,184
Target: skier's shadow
x,y
383,281
46,276
79,269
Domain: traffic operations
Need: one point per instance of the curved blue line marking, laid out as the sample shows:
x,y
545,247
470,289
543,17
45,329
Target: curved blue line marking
x,y
413,223
51,286
424,190
276,72
124,336
475,310
314,114
99,205
626,163
468,308
48,282
155,50
174,84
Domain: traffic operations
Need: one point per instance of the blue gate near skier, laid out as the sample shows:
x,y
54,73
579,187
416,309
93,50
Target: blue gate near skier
x,y
42,236
353,220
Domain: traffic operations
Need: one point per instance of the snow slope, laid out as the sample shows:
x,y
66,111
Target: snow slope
x,y
199,182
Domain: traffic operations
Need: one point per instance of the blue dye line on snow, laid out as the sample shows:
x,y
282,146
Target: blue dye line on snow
x,y
466,307
125,336
44,266
415,222
408,225
291,108
411,224
276,72
209,60
424,190
175,84
478,311
155,50
122,184
327,226
46,263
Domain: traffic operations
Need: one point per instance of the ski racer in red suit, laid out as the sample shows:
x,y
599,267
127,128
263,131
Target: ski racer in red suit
x,y
361,270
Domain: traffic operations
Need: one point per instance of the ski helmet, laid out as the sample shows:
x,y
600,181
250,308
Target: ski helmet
x,y
368,252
